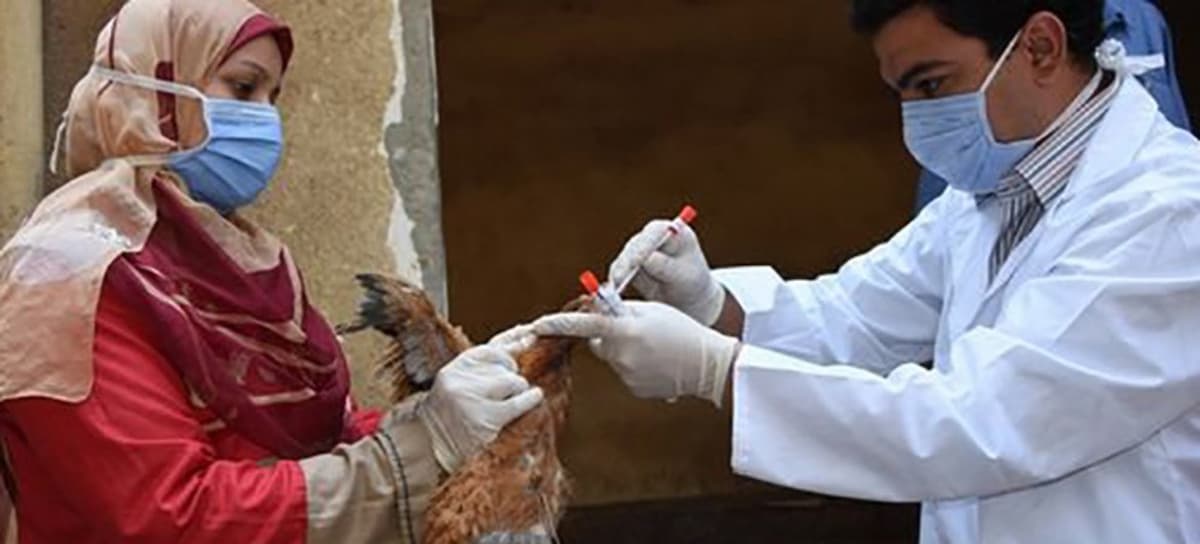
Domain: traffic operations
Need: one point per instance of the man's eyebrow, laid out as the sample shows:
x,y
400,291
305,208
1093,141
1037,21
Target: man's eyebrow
x,y
906,80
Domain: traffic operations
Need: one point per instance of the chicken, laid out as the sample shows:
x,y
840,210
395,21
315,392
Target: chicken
x,y
516,485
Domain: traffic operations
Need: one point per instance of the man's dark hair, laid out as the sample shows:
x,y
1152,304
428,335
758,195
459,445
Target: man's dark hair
x,y
994,21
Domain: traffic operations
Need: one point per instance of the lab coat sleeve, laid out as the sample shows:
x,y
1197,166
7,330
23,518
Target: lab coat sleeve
x,y
879,311
1082,364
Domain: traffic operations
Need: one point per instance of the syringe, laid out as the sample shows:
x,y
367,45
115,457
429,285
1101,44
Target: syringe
x,y
609,295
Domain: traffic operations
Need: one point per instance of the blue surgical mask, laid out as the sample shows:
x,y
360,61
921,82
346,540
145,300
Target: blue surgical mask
x,y
234,165
953,138
237,159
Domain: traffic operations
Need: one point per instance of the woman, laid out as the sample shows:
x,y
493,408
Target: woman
x,y
163,377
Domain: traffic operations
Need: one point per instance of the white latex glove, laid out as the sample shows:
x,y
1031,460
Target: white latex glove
x,y
659,352
474,396
514,340
676,274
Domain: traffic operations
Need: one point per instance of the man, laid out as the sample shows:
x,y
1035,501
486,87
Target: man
x,y
1141,28
1056,287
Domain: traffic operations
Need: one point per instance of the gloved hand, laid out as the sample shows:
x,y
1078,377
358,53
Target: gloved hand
x,y
677,273
658,351
514,340
474,396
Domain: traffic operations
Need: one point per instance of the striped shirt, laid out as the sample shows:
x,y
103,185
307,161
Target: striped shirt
x,y
1027,191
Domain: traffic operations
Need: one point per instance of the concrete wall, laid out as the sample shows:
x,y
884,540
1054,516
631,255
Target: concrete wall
x,y
354,192
20,110
335,201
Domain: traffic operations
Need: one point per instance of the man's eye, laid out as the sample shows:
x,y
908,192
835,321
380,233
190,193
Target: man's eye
x,y
929,87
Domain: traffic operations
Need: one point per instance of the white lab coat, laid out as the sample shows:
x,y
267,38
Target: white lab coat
x,y
1065,401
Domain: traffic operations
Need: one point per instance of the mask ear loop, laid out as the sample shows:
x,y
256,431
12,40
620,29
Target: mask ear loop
x,y
1012,45
56,151
1086,94
136,80
987,83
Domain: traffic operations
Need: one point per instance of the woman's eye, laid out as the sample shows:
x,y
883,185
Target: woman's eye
x,y
243,89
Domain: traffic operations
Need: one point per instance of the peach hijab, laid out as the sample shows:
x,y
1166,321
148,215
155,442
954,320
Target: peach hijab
x,y
229,303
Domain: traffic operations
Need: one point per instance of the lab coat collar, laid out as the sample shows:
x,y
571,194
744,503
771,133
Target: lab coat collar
x,y
1121,134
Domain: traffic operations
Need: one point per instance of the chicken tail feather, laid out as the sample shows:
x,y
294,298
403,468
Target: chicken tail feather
x,y
423,341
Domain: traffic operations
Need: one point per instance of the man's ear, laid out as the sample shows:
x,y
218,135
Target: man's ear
x,y
1044,41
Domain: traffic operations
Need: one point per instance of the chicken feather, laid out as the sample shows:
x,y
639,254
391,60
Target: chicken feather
x,y
516,488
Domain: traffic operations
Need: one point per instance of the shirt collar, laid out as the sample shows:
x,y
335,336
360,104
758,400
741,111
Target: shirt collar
x,y
1046,169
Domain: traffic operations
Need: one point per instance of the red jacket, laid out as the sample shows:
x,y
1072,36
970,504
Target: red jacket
x,y
138,462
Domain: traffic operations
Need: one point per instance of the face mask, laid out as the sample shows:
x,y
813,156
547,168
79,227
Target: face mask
x,y
238,157
953,138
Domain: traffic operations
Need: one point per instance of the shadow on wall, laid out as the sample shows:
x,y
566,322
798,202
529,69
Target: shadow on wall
x,y
566,125
765,519
1184,18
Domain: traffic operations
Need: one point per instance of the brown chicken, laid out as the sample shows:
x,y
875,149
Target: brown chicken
x,y
516,484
